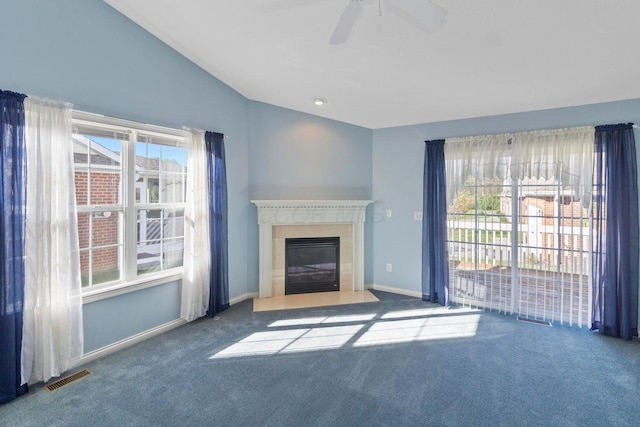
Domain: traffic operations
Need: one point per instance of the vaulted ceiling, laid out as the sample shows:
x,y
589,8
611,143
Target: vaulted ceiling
x,y
489,56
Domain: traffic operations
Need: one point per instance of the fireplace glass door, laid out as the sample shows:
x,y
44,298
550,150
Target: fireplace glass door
x,y
312,265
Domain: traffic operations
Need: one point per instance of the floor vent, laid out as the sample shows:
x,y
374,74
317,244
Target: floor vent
x,y
67,380
534,321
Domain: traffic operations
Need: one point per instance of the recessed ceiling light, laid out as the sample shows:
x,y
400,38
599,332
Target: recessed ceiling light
x,y
319,101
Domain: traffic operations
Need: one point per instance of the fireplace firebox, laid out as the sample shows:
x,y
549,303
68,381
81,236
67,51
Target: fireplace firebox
x,y
312,264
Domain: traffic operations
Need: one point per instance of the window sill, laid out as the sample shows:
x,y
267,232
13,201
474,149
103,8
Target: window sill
x,y
106,292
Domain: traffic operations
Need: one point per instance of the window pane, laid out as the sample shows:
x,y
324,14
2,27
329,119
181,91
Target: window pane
x,y
173,253
148,157
81,180
99,265
104,187
174,159
98,172
161,173
160,239
84,232
99,235
85,262
174,223
148,189
173,188
105,265
105,228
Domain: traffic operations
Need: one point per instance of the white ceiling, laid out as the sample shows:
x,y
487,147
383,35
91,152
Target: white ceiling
x,y
490,57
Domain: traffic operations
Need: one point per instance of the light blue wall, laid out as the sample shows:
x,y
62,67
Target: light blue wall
x,y
300,156
295,155
86,53
123,316
398,156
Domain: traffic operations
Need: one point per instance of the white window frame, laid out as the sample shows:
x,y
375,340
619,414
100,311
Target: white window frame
x,y
129,280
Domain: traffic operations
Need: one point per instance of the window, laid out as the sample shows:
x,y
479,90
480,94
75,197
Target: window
x,y
130,191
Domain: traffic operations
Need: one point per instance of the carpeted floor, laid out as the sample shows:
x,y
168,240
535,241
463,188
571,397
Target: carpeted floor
x,y
396,362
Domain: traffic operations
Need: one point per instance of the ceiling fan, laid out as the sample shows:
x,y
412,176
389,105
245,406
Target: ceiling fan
x,y
427,14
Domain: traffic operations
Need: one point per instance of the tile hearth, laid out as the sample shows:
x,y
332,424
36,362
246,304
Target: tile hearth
x,y
317,299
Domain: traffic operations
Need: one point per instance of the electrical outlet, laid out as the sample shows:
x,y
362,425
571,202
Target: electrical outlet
x,y
417,216
388,213
389,267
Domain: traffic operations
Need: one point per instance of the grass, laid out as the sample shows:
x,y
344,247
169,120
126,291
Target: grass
x,y
101,277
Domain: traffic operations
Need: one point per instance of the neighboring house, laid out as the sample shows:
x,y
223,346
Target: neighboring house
x,y
551,216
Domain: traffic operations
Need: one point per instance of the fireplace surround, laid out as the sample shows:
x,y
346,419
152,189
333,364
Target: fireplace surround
x,y
282,219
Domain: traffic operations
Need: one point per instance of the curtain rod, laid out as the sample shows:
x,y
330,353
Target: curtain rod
x,y
188,129
507,134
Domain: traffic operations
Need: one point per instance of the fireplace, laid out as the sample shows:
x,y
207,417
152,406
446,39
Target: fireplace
x,y
280,220
312,264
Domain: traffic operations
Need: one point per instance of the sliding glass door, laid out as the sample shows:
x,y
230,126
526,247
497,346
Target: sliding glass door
x,y
520,246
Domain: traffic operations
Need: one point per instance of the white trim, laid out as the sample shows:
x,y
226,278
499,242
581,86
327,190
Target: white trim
x,y
127,342
243,297
394,290
122,125
119,288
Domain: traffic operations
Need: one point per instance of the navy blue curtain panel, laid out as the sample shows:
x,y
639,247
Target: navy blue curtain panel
x,y
435,263
12,199
616,247
217,175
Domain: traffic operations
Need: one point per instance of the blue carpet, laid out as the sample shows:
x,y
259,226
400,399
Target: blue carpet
x,y
397,362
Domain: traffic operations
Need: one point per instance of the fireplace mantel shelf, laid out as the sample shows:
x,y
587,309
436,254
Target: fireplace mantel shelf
x,y
327,204
309,212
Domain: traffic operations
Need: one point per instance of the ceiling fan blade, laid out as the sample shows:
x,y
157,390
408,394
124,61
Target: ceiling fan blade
x,y
425,12
345,24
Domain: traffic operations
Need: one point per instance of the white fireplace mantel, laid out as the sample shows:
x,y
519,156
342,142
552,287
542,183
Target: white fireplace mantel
x,y
309,212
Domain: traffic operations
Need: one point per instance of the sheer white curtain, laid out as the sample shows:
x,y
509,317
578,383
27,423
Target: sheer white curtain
x,y
52,334
483,157
565,155
195,282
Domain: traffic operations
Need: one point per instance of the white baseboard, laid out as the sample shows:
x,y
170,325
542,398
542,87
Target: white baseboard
x,y
127,342
243,297
395,290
